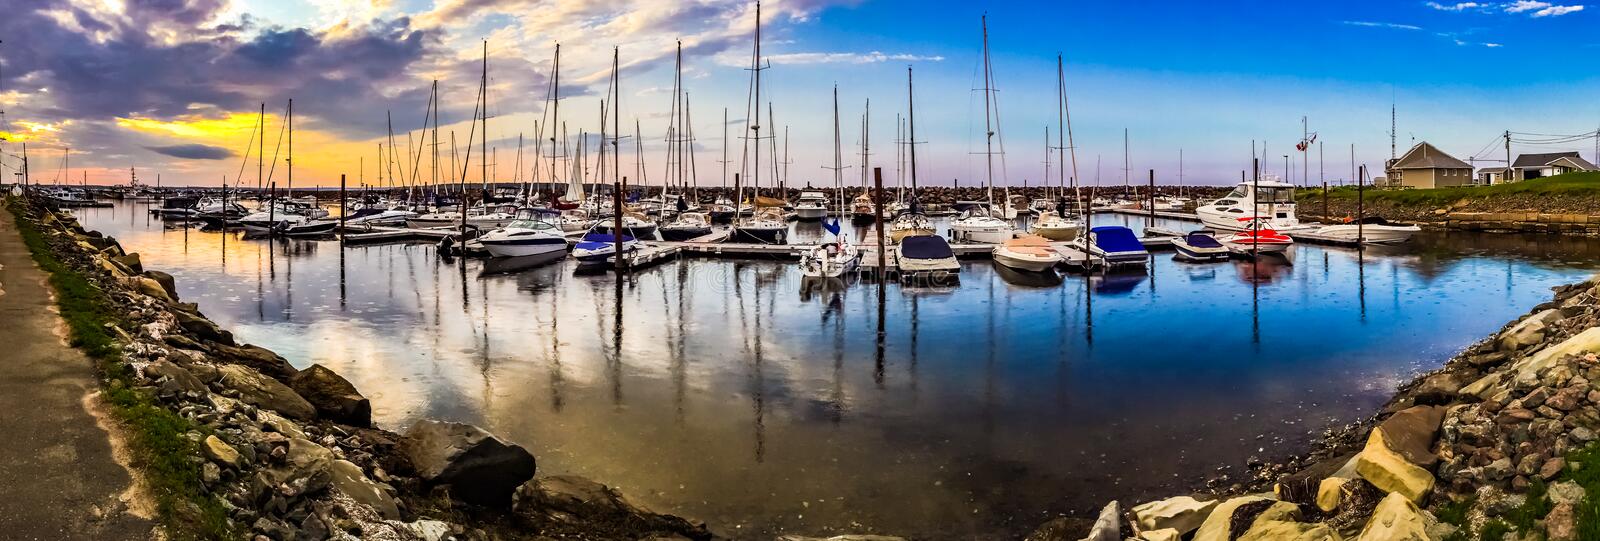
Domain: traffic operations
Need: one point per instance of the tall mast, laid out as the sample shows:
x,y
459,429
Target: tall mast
x,y
261,147
616,118
1065,116
483,143
911,125
555,113
988,129
838,158
289,120
724,160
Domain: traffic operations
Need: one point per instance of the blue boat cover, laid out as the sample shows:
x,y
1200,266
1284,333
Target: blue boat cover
x,y
1201,240
1115,238
925,247
604,237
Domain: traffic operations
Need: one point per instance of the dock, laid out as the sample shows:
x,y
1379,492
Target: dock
x,y
1307,236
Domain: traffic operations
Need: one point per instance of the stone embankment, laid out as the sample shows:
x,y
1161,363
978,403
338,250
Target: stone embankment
x,y
293,455
1507,214
1497,444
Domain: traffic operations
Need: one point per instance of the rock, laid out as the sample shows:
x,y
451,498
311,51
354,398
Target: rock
x,y
1529,367
1485,360
131,262
1439,389
1390,471
1566,492
333,396
220,452
1217,525
1552,468
1529,331
1568,399
203,328
565,498
1303,486
1396,518
264,392
257,357
1411,433
1278,530
165,280
307,468
350,480
1167,534
1562,523
1108,526
149,287
1183,513
183,379
1329,492
477,466
842,538
1582,434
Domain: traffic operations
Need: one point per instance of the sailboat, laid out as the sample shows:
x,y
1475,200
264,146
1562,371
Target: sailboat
x,y
832,259
289,217
911,222
977,223
767,225
1057,224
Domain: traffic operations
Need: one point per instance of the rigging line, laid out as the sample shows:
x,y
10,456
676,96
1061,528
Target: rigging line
x,y
275,148
245,162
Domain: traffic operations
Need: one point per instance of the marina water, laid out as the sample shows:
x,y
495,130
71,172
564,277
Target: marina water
x,y
733,392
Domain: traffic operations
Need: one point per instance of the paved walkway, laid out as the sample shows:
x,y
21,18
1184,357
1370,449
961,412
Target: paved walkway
x,y
58,478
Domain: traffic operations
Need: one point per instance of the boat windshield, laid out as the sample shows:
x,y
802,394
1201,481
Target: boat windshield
x,y
1237,193
1276,195
530,224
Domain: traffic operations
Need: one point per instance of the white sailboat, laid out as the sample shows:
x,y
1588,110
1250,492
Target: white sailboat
x,y
839,256
767,224
1057,224
976,223
911,222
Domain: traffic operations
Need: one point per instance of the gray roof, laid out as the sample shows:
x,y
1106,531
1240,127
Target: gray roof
x,y
1426,156
1492,170
1540,160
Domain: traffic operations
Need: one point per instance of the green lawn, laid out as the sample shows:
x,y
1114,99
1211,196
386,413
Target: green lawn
x,y
1568,185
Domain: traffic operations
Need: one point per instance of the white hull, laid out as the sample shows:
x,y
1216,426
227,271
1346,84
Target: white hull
x,y
912,265
980,234
1057,232
810,214
1246,247
1370,233
522,250
1025,262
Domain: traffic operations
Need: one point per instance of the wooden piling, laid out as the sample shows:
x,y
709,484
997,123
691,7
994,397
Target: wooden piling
x,y
877,204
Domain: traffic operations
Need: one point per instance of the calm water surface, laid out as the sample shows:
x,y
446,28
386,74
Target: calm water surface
x,y
729,391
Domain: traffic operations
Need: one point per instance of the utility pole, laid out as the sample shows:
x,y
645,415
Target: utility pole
x,y
1506,176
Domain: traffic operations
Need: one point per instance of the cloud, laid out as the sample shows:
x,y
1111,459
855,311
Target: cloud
x,y
1459,6
192,151
872,57
1556,11
1492,45
1372,24
1525,5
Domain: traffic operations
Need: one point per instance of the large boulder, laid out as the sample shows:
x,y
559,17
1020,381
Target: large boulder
x,y
1397,451
165,280
476,466
1282,530
1108,526
1529,331
1218,525
220,452
306,469
334,397
565,498
1398,519
350,480
257,357
131,262
1411,433
150,288
204,328
175,375
264,392
1183,513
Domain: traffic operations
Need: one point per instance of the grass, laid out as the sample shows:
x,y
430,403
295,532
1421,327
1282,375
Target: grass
x,y
156,435
1568,185
1584,467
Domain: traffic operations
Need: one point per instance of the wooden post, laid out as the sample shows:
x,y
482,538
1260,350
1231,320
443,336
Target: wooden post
x,y
343,208
272,208
1360,206
1152,199
1255,210
616,229
877,204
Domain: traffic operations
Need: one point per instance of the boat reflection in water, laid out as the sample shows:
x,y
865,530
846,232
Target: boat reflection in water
x,y
1264,269
734,392
1020,278
508,265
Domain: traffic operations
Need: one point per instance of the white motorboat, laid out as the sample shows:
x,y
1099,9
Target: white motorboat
x,y
862,211
529,234
686,226
574,220
479,217
1030,253
1113,245
811,206
830,259
1056,227
1256,237
597,247
634,224
976,225
285,215
926,254
1369,230
379,216
909,224
1275,204
1199,245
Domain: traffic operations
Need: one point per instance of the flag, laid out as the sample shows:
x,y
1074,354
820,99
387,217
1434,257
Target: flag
x,y
832,227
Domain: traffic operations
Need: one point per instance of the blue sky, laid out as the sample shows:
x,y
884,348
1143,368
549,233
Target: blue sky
x,y
1194,76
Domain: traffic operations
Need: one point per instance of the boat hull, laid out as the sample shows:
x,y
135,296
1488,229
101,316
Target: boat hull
x,y
1187,252
1369,234
1064,233
1024,262
680,234
767,235
897,235
981,235
523,248
638,232
808,214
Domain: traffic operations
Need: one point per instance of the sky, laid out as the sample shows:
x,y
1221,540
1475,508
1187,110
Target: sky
x,y
176,88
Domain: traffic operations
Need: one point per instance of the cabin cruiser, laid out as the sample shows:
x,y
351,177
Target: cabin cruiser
x,y
1030,253
925,254
480,217
722,211
811,206
378,215
1011,208
1369,230
289,217
1274,203
830,259
574,220
976,225
862,211
909,224
766,227
529,234
1199,245
1171,203
686,226
1256,236
1054,226
634,224
1113,245
598,247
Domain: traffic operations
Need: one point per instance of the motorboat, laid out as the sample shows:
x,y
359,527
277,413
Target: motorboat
x,y
529,234
1256,237
722,211
1054,226
862,211
573,220
688,225
811,206
1199,245
1170,203
308,228
1027,253
829,259
920,254
909,224
176,207
1274,203
286,216
634,224
767,227
1114,246
976,225
1369,230
599,247
377,215
1012,207
480,217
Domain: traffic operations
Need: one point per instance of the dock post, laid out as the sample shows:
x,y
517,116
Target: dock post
x,y
1361,182
272,209
1152,199
616,229
877,206
343,201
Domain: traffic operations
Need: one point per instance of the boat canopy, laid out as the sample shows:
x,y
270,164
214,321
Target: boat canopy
x,y
1115,238
605,238
1199,239
926,247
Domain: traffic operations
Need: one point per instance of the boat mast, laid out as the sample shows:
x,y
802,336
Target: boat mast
x,y
289,120
1064,116
988,128
838,157
911,125
261,147
555,112
483,142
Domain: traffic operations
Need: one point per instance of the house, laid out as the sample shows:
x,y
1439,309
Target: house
x,y
1425,166
1491,175
1548,164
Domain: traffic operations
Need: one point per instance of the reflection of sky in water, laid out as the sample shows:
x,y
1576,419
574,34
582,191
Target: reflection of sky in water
x,y
741,399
